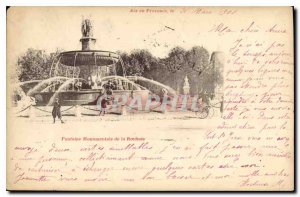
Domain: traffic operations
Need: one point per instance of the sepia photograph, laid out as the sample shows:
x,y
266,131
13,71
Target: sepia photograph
x,y
150,98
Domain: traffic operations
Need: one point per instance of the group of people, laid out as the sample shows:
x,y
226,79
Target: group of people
x,y
105,98
85,85
90,84
104,93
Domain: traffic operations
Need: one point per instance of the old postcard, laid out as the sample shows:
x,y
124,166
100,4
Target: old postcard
x,y
150,98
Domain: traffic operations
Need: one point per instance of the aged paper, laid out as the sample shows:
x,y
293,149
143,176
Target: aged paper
x,y
150,98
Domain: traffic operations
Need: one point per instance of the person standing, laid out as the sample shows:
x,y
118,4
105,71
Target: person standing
x,y
104,102
56,111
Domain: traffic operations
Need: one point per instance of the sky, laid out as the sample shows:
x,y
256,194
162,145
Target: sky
x,y
116,29
158,29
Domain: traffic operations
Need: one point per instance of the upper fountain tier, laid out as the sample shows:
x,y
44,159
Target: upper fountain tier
x,y
88,58
88,55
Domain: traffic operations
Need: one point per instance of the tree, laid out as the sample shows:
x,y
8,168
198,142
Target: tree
x,y
35,64
197,62
212,76
197,58
176,59
172,70
138,61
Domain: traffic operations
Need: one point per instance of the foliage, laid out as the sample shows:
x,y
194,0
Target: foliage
x,y
35,64
138,62
171,70
176,59
197,59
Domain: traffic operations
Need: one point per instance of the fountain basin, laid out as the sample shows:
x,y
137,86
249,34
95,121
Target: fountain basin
x,y
85,97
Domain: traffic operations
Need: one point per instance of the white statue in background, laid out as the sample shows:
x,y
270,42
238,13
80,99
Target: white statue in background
x,y
186,86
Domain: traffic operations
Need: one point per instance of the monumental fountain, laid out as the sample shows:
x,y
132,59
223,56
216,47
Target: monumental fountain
x,y
78,77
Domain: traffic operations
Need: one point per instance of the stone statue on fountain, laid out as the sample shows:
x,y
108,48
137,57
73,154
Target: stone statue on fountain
x,y
87,28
